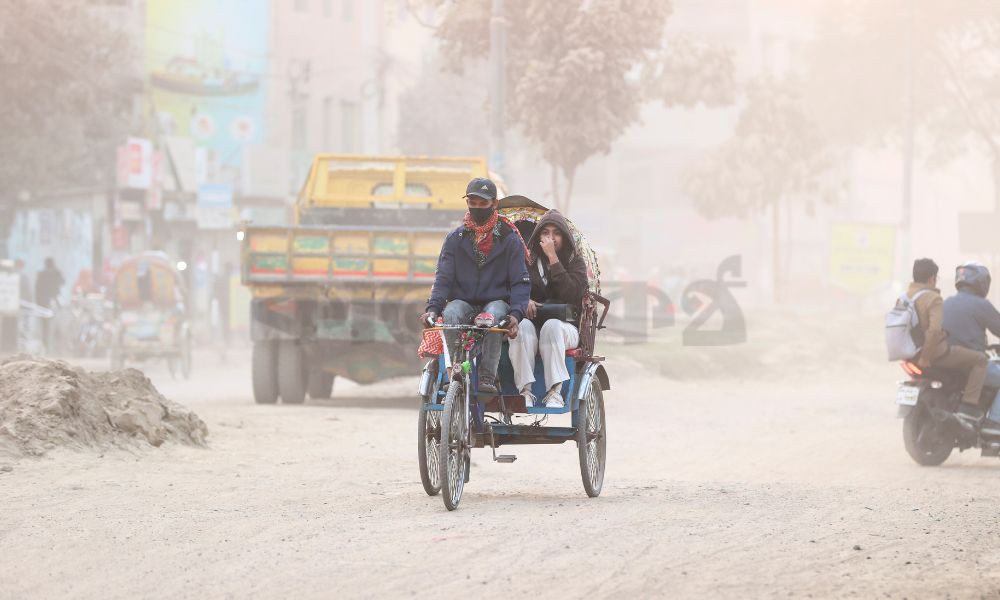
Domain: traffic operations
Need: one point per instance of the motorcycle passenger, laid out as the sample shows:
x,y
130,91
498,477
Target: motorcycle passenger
x,y
482,268
967,316
558,275
937,351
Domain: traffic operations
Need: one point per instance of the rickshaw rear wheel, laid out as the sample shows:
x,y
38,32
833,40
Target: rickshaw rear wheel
x,y
592,441
264,371
429,444
454,434
292,375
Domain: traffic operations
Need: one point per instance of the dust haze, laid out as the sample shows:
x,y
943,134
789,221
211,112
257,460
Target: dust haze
x,y
220,221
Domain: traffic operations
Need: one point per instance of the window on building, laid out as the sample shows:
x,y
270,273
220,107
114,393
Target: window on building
x,y
347,10
350,126
301,5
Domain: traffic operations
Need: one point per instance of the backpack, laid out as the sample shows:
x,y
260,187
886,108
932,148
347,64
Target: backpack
x,y
903,335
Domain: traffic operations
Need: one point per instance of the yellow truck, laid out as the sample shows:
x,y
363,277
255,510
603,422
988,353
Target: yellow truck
x,y
339,292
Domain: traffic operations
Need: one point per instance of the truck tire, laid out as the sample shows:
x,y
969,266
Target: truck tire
x,y
264,369
292,375
320,384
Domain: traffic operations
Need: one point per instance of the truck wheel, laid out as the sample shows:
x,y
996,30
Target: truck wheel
x,y
265,372
292,376
320,384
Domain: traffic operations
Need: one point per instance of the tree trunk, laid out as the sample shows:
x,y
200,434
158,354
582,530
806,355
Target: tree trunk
x,y
776,250
554,174
570,179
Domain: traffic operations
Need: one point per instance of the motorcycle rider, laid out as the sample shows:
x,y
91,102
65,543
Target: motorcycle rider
x,y
967,316
937,351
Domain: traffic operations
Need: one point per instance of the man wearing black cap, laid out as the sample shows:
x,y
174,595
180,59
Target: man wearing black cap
x,y
482,268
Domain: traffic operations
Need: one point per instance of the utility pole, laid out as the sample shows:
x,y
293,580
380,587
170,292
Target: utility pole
x,y
907,212
498,48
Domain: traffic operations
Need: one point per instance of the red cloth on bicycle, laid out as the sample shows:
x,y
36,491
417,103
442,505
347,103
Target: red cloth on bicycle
x,y
431,344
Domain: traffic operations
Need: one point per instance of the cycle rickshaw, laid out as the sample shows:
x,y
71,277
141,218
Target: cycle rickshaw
x,y
150,314
454,418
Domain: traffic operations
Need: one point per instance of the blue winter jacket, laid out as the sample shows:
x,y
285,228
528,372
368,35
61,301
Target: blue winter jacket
x,y
504,275
966,319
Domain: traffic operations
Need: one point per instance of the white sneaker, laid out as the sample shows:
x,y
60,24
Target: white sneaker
x,y
554,399
529,398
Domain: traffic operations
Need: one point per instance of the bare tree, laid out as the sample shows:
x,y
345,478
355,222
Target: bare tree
x,y
878,67
578,71
68,85
775,158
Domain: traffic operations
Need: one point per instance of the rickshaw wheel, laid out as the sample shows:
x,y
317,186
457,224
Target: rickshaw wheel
x,y
264,372
429,444
591,437
454,434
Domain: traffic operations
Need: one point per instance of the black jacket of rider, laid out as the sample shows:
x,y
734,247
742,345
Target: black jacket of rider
x,y
967,316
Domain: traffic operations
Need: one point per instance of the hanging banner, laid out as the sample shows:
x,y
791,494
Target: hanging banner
x,y
206,63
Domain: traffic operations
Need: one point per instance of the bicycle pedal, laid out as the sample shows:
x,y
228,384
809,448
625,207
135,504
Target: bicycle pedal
x,y
505,458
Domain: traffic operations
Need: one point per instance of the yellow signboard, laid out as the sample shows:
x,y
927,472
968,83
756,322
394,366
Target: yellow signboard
x,y
862,256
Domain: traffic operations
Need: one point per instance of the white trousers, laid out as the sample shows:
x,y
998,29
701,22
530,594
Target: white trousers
x,y
555,339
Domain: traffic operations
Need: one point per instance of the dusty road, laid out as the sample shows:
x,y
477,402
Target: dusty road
x,y
722,490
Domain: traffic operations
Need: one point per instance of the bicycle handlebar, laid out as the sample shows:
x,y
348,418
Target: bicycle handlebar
x,y
467,328
501,326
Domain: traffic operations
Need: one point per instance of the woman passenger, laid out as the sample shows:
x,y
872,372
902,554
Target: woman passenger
x,y
558,275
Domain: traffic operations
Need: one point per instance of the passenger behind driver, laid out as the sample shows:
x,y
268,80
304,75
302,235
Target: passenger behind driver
x,y
558,275
936,351
967,316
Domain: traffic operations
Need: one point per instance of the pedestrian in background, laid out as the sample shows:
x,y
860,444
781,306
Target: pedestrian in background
x,y
48,286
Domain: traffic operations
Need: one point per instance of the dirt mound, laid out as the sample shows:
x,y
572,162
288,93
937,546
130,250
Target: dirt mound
x,y
46,404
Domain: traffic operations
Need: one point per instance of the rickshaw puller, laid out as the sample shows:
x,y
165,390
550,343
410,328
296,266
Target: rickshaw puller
x,y
482,267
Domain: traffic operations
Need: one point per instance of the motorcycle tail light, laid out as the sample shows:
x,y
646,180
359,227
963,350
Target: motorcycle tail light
x,y
911,369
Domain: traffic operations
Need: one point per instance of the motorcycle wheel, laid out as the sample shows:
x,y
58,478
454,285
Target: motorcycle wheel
x,y
924,439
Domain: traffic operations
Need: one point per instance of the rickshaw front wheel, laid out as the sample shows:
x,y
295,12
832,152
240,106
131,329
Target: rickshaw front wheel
x,y
453,449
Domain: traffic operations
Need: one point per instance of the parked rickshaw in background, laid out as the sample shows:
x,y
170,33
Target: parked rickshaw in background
x,y
150,314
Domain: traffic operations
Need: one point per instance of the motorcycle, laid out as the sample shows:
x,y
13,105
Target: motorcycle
x,y
928,403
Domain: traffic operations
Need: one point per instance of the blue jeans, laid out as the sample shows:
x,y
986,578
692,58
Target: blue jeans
x,y
460,312
993,381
